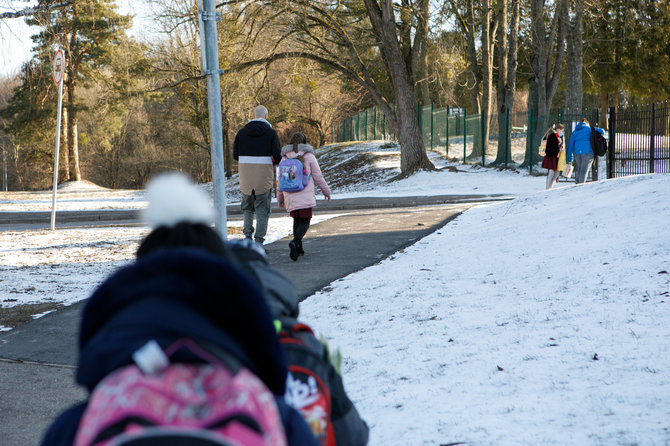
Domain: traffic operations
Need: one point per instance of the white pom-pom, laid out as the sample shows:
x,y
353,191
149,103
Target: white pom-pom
x,y
174,199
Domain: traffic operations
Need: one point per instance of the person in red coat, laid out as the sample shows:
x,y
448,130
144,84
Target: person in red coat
x,y
554,146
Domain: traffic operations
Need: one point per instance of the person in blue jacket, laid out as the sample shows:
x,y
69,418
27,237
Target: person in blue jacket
x,y
579,145
181,286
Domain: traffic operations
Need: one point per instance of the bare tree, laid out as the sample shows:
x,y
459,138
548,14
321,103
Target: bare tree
x,y
547,56
373,50
575,59
508,45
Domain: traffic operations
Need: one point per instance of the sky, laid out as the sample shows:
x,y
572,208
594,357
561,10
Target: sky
x,y
15,43
542,320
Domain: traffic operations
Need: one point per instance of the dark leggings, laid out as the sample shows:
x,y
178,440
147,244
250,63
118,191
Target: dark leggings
x,y
300,227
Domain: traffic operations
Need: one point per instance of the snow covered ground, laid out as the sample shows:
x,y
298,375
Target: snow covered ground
x,y
542,320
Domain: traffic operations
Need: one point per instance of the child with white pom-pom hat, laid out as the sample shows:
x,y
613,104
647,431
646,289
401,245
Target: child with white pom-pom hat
x,y
182,287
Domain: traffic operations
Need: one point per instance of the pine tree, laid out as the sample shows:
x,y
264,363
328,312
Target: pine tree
x,y
86,30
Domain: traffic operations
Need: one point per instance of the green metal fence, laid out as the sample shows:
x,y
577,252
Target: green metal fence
x,y
459,136
639,136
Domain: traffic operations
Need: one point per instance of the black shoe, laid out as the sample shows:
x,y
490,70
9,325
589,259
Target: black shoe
x,y
294,251
301,252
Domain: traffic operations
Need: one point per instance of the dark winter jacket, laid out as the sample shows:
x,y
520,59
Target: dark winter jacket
x,y
256,149
349,427
172,294
580,140
554,144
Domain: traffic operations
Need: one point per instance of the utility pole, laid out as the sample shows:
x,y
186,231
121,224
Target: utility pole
x,y
4,165
209,48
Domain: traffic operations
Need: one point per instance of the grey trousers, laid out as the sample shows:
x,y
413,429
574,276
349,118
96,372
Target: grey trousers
x,y
260,205
582,166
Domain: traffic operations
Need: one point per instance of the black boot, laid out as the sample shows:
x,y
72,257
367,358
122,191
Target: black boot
x,y
293,254
301,252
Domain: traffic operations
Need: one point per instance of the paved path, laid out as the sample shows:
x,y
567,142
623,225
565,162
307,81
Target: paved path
x,y
37,359
22,220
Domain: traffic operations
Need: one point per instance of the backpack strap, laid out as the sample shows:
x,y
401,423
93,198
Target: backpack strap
x,y
291,334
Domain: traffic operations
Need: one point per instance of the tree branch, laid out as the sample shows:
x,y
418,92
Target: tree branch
x,y
34,10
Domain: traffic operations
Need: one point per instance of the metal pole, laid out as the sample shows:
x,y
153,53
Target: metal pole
x,y
374,124
652,138
507,137
530,143
465,115
358,126
431,125
366,124
612,143
56,154
482,121
4,166
446,133
209,17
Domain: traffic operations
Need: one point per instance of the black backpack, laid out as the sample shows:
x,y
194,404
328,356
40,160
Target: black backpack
x,y
598,142
307,385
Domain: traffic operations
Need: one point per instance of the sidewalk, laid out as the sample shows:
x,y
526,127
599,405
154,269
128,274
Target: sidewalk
x,y
37,360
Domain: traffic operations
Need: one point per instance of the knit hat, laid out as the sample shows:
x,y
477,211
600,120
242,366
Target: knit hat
x,y
181,215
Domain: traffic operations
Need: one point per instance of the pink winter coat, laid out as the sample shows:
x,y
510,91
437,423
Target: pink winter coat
x,y
305,198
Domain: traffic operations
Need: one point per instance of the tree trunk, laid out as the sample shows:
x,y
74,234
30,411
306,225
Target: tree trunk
x,y
575,60
420,46
503,153
72,134
604,109
470,30
508,62
487,80
65,144
546,64
227,147
404,121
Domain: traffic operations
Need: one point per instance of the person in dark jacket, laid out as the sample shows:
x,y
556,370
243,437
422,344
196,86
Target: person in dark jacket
x,y
181,286
257,150
349,429
579,148
553,148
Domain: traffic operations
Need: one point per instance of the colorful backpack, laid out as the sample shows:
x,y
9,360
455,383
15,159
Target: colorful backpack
x,y
292,175
306,389
157,402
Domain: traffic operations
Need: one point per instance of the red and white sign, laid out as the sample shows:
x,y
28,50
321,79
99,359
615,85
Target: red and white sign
x,y
58,69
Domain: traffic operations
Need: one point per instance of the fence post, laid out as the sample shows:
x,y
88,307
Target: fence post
x,y
446,140
432,109
482,122
507,136
530,141
366,124
652,138
358,126
465,115
612,143
418,119
374,124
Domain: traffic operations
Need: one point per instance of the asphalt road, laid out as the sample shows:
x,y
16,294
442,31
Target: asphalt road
x,y
33,220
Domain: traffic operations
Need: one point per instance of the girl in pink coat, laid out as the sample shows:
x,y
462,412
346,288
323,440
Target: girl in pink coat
x,y
299,204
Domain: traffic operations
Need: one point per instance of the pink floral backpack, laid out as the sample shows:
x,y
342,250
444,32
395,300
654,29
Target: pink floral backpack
x,y
155,402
